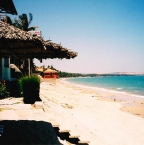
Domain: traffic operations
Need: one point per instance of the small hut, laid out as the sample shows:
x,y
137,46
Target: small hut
x,y
39,69
49,73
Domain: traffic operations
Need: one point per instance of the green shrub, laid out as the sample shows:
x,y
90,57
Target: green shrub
x,y
3,91
30,86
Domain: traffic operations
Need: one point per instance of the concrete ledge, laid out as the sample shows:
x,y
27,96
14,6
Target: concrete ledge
x,y
84,142
8,115
74,136
38,105
55,124
37,111
64,131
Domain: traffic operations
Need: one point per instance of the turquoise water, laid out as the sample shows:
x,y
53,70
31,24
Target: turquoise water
x,y
133,85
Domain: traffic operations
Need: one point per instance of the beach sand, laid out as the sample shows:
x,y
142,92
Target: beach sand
x,y
101,117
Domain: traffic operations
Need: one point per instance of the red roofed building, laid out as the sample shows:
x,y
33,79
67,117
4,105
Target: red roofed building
x,y
49,73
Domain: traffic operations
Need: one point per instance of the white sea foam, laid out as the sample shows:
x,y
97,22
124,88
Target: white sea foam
x,y
119,88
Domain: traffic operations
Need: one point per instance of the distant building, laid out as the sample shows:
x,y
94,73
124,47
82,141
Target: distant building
x,y
49,73
36,33
40,69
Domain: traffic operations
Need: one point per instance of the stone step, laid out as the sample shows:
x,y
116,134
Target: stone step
x,y
16,106
8,115
54,122
24,114
64,134
74,136
74,139
38,104
38,111
83,142
64,131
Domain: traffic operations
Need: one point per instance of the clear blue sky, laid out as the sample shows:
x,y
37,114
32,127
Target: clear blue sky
x,y
107,34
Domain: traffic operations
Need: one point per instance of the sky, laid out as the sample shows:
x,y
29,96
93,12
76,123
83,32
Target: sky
x,y
108,35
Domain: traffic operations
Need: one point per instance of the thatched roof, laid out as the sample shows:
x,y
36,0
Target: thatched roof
x,y
50,71
7,6
18,43
57,51
39,69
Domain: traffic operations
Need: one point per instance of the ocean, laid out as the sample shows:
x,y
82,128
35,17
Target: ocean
x,y
132,85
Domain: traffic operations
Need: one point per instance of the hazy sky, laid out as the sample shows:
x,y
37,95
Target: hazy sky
x,y
107,34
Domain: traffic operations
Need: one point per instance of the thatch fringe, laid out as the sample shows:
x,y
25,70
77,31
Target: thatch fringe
x,y
16,42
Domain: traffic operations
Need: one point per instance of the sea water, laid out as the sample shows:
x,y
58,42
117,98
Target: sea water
x,y
133,85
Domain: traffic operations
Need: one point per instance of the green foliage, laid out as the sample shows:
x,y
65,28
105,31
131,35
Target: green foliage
x,y
66,74
3,91
30,86
23,22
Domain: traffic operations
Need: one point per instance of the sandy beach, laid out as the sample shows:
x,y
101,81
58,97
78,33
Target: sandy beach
x,y
101,117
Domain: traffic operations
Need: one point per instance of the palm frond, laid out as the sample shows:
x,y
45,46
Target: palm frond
x,y
23,22
30,18
32,28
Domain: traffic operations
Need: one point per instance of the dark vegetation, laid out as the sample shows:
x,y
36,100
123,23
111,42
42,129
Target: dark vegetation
x,y
27,87
30,87
13,88
66,74
3,90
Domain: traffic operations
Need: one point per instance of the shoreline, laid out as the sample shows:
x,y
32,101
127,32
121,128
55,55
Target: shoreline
x,y
104,89
131,103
